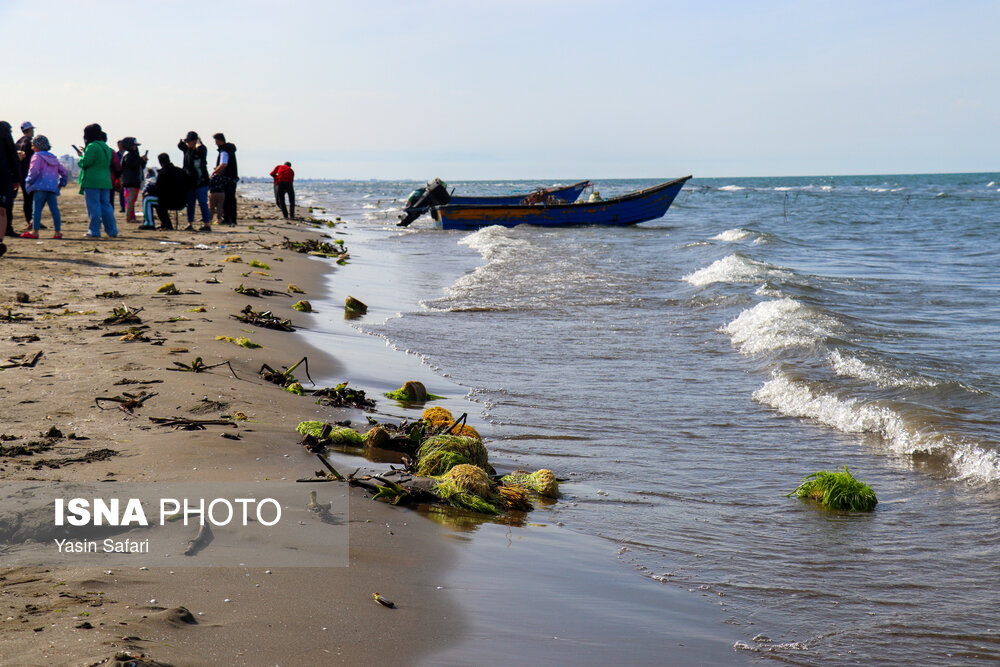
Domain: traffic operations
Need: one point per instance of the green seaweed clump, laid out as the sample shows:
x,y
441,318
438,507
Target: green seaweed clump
x,y
440,453
468,487
353,305
295,388
257,264
313,428
412,392
542,482
837,490
303,306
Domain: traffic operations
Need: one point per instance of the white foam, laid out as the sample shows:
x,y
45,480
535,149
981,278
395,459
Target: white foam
x,y
733,235
779,324
798,398
732,188
882,376
734,269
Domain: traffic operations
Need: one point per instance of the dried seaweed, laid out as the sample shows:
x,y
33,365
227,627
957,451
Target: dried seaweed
x,y
263,319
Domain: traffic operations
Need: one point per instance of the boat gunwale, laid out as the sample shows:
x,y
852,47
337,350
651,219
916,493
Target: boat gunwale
x,y
614,200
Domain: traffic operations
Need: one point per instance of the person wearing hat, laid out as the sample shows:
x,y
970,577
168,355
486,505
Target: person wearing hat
x,y
95,182
131,178
196,165
10,175
25,151
46,175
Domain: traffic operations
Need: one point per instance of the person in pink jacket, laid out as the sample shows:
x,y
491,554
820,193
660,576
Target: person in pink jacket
x,y
46,175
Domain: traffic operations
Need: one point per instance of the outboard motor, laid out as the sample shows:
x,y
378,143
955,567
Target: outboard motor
x,y
435,193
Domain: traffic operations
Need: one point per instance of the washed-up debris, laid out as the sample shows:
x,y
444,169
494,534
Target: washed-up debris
x,y
318,248
439,453
384,602
124,315
542,482
317,435
258,292
263,319
199,366
343,396
353,305
837,490
302,306
27,338
16,317
115,294
295,289
128,381
126,402
412,392
284,378
22,361
233,258
168,288
440,421
186,424
257,264
201,540
242,341
322,511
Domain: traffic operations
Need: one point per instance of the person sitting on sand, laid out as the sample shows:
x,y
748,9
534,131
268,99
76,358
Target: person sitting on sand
x,y
10,174
283,177
46,176
95,182
149,200
172,185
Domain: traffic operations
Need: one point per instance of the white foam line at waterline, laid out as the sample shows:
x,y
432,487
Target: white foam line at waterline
x,y
732,235
778,324
851,415
735,269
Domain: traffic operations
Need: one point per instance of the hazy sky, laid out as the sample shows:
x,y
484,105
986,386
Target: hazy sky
x,y
542,89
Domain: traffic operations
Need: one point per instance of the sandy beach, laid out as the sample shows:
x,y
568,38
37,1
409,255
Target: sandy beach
x,y
201,616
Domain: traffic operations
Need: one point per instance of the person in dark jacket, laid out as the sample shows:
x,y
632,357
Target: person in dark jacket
x,y
196,166
225,165
10,176
133,165
172,185
24,151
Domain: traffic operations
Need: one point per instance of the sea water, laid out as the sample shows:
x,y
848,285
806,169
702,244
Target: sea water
x,y
687,373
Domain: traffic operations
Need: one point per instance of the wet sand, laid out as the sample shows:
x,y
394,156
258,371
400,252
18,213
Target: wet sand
x,y
85,616
464,591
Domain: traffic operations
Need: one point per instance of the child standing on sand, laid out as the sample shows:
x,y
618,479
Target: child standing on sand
x,y
46,175
217,197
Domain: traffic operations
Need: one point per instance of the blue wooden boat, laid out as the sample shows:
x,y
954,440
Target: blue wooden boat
x,y
435,193
630,209
566,194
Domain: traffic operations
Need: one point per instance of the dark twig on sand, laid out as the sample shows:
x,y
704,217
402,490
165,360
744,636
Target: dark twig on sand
x,y
199,366
186,424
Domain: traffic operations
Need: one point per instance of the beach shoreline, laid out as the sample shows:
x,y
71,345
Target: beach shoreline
x,y
430,564
83,616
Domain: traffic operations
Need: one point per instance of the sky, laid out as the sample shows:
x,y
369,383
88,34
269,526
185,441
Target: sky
x,y
542,89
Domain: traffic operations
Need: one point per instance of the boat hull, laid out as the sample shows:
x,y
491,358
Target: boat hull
x,y
568,194
629,209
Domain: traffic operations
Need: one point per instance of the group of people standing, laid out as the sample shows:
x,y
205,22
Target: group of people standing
x,y
29,166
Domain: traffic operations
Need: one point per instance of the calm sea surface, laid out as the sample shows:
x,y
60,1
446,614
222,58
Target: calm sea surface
x,y
687,373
